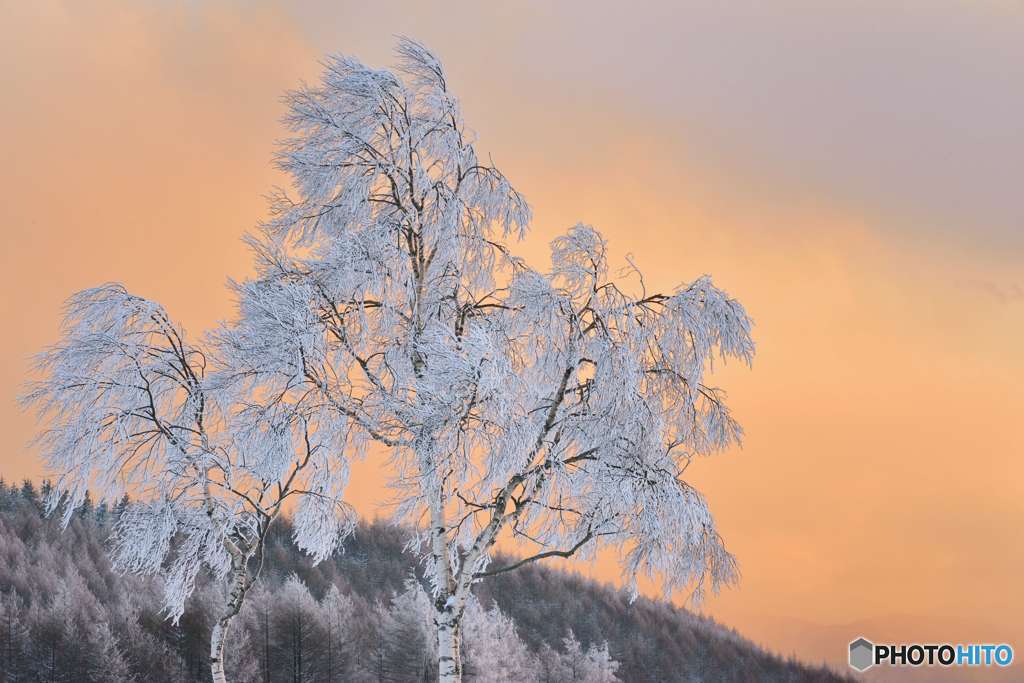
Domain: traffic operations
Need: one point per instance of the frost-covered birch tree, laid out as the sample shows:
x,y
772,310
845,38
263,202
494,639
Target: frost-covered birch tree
x,y
557,406
130,404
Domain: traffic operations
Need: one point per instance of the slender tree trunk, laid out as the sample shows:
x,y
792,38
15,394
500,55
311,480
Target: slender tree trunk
x,y
449,646
448,624
448,605
266,644
330,649
239,587
298,650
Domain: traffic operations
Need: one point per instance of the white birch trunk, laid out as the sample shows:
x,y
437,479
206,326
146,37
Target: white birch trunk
x,y
217,650
239,587
449,655
450,602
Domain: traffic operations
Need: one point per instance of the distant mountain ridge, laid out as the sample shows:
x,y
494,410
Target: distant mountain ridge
x,y
66,616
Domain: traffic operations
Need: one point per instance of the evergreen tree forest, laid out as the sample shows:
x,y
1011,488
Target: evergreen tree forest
x,y
361,615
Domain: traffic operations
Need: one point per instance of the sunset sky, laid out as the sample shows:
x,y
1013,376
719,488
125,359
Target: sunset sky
x,y
852,172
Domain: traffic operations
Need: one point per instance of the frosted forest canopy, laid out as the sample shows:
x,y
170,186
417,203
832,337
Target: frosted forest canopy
x,y
65,615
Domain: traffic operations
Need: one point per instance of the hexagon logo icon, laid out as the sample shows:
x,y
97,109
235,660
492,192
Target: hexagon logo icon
x,y
862,654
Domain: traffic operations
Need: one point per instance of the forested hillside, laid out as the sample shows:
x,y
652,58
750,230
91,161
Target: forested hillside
x,y
65,615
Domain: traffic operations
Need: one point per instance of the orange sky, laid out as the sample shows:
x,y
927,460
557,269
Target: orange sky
x,y
851,173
